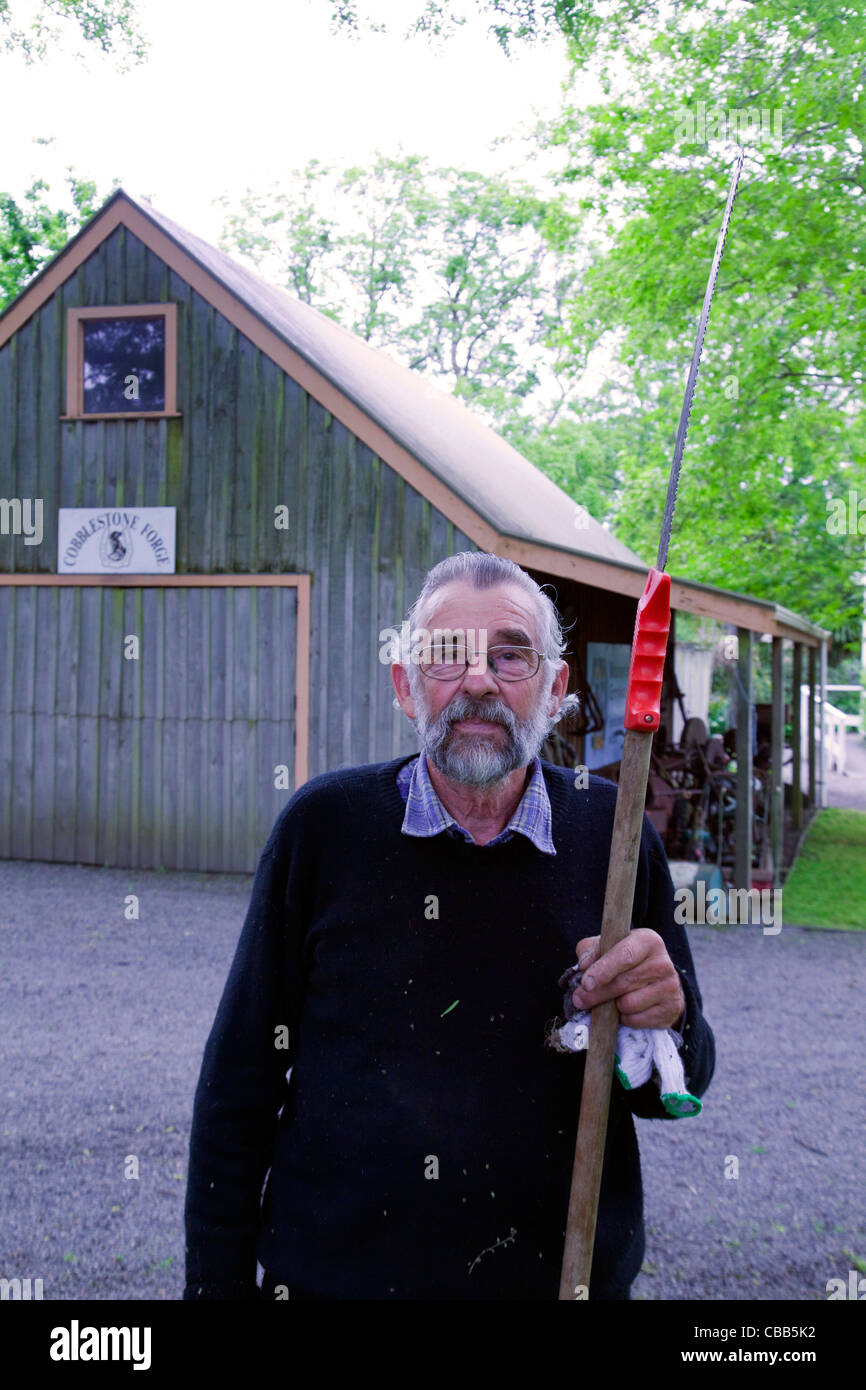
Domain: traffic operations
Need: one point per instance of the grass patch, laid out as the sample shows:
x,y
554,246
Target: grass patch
x,y
827,885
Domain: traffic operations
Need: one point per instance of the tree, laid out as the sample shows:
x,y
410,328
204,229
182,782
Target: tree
x,y
511,20
452,271
355,262
381,251
31,232
286,234
777,436
777,428
109,24
499,286
580,456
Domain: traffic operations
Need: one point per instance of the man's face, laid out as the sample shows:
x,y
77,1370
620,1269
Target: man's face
x,y
478,729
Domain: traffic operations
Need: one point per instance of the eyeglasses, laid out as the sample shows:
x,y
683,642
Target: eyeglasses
x,y
507,663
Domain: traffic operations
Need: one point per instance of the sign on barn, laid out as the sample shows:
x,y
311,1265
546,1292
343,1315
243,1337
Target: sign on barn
x,y
115,541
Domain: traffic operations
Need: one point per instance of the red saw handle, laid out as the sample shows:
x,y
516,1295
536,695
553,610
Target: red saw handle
x,y
651,628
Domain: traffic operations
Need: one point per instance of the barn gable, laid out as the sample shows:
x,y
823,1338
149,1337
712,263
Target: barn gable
x,y
429,437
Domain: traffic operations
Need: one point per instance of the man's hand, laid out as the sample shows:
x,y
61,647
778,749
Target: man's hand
x,y
638,973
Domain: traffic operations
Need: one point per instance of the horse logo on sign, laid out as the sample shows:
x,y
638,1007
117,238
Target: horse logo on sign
x,y
115,548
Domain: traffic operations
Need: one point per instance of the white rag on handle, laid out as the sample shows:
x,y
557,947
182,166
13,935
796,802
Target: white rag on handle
x,y
640,1052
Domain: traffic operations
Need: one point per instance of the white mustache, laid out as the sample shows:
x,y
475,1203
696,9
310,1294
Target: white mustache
x,y
489,715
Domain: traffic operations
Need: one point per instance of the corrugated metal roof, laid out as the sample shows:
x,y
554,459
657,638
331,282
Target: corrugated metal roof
x,y
440,431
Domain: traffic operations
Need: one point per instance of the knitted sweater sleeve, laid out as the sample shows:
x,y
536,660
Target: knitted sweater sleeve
x,y
242,1083
654,908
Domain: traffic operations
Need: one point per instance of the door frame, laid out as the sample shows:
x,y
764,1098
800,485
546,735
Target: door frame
x,y
301,582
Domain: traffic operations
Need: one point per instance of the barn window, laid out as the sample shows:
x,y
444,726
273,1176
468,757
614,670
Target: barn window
x,y
121,361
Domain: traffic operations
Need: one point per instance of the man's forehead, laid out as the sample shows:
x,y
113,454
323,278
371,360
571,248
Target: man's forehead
x,y
506,607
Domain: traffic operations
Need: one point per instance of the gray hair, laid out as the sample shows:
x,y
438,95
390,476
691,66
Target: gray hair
x,y
484,571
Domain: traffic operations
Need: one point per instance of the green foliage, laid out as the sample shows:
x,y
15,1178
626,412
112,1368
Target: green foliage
x,y
777,426
580,458
31,232
110,25
391,210
511,20
776,438
486,252
452,271
287,234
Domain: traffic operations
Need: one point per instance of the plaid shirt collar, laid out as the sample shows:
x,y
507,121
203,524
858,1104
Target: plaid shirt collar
x,y
425,814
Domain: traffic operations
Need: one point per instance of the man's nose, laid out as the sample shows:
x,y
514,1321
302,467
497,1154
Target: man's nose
x,y
478,674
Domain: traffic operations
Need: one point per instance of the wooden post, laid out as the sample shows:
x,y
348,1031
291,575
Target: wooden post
x,y
823,759
777,746
641,720
797,737
598,1073
743,822
813,688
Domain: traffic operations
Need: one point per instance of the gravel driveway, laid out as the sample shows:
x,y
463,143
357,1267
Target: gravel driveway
x,y
104,1020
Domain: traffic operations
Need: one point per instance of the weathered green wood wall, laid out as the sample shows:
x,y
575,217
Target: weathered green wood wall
x,y
165,760
249,440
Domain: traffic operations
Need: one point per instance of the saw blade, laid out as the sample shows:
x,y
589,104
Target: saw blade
x,y
673,481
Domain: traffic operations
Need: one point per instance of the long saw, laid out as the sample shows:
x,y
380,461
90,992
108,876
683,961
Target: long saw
x,y
642,717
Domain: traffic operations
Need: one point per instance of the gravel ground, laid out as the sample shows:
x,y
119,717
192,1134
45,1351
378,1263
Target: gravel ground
x,y
786,1102
104,1021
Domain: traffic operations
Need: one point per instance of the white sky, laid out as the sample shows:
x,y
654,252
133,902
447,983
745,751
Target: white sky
x,y
234,95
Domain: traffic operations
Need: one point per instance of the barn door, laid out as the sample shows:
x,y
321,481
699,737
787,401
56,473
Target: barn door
x,y
150,726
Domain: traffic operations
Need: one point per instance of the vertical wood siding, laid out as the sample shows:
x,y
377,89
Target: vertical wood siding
x,y
168,760
249,440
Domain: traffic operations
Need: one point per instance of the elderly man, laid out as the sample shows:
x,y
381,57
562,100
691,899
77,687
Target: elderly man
x,y
408,926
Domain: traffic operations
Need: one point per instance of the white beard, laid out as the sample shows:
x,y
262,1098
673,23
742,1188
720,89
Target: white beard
x,y
476,759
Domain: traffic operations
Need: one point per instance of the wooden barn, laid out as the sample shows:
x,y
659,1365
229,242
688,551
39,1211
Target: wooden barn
x,y
214,502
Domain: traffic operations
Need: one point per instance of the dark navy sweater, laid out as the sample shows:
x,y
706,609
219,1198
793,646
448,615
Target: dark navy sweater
x,y
419,1150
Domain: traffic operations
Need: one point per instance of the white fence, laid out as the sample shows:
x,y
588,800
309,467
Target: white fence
x,y
836,726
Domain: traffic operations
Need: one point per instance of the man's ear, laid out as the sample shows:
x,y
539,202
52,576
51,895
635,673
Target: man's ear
x,y
559,687
401,686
